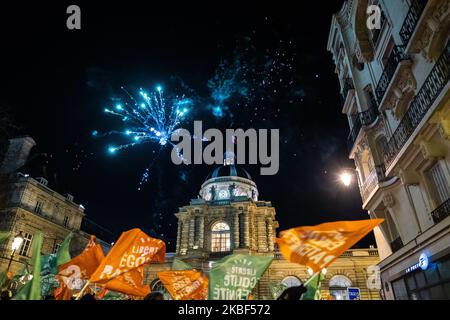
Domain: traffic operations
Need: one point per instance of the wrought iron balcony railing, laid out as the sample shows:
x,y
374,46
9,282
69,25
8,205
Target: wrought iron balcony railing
x,y
375,177
441,212
411,20
364,118
397,55
430,90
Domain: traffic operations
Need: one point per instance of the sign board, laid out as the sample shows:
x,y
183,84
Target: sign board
x,y
353,294
422,263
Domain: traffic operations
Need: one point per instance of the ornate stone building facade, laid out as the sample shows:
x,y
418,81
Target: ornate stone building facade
x,y
228,217
28,206
395,88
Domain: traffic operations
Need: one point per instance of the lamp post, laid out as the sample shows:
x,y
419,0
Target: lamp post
x,y
17,243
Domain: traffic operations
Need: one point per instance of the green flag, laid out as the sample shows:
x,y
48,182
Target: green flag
x,y
178,264
51,262
32,289
313,287
235,276
4,235
276,289
3,278
63,254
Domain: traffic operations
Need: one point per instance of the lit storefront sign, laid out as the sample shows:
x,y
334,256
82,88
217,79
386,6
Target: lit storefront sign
x,y
422,263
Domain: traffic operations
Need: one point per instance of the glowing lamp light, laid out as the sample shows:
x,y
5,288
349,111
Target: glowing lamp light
x,y
324,271
119,107
128,132
310,271
112,149
346,178
159,88
17,242
142,105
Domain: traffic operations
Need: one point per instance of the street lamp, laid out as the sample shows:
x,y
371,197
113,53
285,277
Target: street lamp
x,y
346,176
16,244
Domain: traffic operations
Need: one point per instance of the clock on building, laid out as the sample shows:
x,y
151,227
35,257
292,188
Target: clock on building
x,y
223,194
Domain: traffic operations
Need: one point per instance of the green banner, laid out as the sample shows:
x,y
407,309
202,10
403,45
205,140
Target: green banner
x,y
178,264
276,289
235,276
32,289
313,287
4,235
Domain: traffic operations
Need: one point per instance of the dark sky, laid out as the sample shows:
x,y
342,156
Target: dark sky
x,y
57,83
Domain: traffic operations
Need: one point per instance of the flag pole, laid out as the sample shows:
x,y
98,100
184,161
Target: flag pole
x,y
82,290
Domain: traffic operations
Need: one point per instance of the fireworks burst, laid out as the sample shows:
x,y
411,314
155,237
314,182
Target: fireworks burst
x,y
149,119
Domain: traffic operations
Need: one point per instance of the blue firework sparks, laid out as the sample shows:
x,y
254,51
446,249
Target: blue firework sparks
x,y
151,118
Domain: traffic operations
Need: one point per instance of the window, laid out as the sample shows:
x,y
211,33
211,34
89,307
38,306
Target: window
x,y
439,184
157,286
197,229
56,247
242,233
291,281
38,207
375,33
66,221
220,237
338,287
25,248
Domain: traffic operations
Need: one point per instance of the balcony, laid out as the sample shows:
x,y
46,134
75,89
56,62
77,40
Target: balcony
x,y
397,55
360,119
411,20
371,182
422,102
441,212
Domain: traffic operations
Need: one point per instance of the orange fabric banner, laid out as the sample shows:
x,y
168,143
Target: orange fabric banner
x,y
185,284
130,283
318,246
72,273
133,249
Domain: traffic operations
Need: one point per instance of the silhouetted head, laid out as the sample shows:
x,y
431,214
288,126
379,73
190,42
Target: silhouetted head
x,y
154,296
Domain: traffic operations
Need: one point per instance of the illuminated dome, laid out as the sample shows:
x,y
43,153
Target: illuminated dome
x,y
229,171
229,182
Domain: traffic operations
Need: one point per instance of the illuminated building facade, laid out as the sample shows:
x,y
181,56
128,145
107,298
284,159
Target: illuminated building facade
x,y
394,82
28,206
228,218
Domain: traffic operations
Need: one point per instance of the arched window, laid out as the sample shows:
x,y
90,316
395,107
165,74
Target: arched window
x,y
156,285
338,287
291,281
220,237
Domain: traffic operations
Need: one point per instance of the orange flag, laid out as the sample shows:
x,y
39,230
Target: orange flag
x,y
130,283
318,246
185,284
133,249
72,274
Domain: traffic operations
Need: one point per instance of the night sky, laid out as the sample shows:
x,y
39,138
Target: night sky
x,y
57,83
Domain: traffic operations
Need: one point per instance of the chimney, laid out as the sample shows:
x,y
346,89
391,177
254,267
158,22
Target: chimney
x,y
17,154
